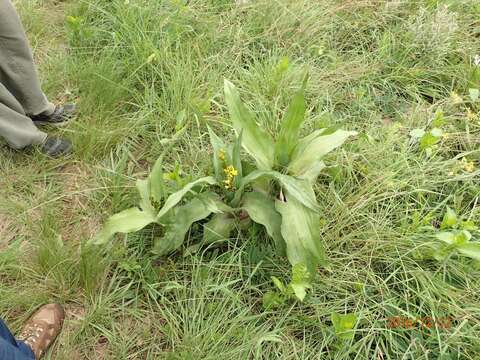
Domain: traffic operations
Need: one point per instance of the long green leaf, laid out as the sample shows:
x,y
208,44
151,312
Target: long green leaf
x,y
218,146
126,221
300,189
218,228
471,249
178,222
261,209
301,232
156,181
290,128
311,149
143,187
256,141
447,237
213,202
236,160
312,173
456,237
176,197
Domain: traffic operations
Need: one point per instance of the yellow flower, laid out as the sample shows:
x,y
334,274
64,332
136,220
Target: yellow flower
x,y
471,115
230,173
233,171
151,58
228,183
221,154
468,166
456,99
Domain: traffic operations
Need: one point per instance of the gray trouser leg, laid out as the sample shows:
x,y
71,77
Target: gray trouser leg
x,y
20,90
15,127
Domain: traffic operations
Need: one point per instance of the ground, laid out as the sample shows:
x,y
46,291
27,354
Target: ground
x,y
382,68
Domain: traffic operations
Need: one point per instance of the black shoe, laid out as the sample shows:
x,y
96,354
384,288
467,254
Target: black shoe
x,y
56,147
60,116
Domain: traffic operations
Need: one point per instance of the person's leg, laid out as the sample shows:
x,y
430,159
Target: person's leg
x,y
10,348
15,127
17,70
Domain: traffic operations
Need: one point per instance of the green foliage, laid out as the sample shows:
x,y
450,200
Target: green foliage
x,y
474,94
156,184
450,219
256,141
218,228
428,137
295,289
219,152
290,128
153,193
294,220
301,232
176,197
299,188
126,221
178,222
343,325
135,219
78,30
439,119
261,209
306,163
301,280
379,67
457,240
287,209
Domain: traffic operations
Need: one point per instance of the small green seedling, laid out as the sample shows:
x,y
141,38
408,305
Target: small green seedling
x,y
474,94
301,280
343,325
456,238
428,138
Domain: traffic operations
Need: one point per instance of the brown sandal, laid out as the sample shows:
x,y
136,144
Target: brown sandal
x,y
42,328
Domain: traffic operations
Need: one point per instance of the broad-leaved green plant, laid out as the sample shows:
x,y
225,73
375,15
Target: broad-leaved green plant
x,y
275,191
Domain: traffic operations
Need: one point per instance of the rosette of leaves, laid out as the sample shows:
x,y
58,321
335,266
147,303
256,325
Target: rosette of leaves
x,y
275,190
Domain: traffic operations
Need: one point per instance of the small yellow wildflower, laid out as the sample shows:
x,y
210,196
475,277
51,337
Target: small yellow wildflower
x,y
230,173
468,166
228,183
221,154
456,99
471,115
151,58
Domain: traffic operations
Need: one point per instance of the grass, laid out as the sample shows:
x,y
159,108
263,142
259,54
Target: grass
x,y
382,68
